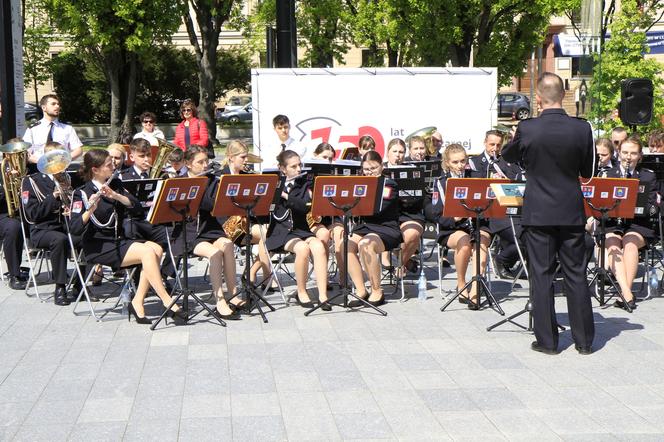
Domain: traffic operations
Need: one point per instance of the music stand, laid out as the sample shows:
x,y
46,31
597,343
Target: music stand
x,y
350,153
432,171
143,189
177,200
473,197
346,167
346,196
247,195
610,198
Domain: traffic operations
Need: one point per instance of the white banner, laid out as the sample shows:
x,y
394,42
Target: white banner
x,y
340,105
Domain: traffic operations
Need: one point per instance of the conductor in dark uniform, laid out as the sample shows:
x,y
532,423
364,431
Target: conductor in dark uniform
x,y
555,150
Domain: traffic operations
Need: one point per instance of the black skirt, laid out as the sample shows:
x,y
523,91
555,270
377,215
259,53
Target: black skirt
x,y
108,253
414,216
389,234
444,235
277,242
647,233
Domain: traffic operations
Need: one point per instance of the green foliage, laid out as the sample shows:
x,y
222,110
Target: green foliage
x,y
233,71
81,87
622,57
324,27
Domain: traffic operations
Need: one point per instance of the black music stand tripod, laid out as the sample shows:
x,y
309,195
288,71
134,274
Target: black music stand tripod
x,y
601,274
248,289
482,286
184,292
345,289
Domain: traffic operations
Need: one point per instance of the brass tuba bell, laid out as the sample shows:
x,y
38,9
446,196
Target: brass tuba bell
x,y
159,163
13,169
425,133
55,162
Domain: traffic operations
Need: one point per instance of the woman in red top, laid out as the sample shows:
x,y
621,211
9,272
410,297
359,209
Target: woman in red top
x,y
191,130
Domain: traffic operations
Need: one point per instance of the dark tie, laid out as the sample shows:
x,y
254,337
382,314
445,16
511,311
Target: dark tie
x,y
49,137
283,147
289,186
144,175
628,174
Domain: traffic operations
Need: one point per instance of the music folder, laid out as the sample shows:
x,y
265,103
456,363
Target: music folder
x,y
350,153
256,190
175,195
410,179
366,192
474,193
619,194
432,170
143,189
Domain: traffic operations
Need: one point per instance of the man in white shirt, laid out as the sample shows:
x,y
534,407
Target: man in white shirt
x,y
283,141
49,128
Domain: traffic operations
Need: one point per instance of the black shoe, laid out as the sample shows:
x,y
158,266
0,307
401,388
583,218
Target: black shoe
x,y
355,303
548,351
378,302
583,350
73,292
325,306
446,263
308,304
503,272
622,305
412,265
473,305
235,316
60,296
139,320
17,283
177,315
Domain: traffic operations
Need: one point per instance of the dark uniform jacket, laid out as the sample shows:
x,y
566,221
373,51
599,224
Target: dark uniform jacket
x,y
42,210
564,151
289,215
647,178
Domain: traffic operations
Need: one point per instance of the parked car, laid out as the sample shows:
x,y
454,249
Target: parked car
x,y
32,112
245,113
237,102
513,104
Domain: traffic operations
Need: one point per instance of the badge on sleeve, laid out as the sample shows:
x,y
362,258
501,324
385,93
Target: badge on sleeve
x,y
387,193
25,196
77,207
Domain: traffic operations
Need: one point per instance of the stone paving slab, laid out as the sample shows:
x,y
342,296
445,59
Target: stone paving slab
x,y
418,373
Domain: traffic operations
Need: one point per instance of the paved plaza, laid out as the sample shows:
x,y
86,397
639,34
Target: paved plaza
x,y
416,374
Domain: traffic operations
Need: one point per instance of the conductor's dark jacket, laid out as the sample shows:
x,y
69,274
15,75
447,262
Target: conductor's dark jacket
x,y
564,152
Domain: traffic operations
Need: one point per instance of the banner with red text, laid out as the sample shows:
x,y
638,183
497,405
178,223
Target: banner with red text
x,y
340,105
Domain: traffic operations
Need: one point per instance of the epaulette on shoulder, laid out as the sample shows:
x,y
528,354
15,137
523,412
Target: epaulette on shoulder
x,y
34,124
579,118
649,170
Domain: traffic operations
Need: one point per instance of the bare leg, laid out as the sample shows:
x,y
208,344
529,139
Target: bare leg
x,y
216,260
371,246
412,232
319,254
616,262
485,240
632,242
302,252
459,241
354,267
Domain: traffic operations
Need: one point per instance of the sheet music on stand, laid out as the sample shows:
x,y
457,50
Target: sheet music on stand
x,y
432,170
144,190
410,179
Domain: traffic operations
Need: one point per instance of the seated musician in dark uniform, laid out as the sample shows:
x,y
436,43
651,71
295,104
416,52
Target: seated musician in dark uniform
x,y
206,237
43,207
322,228
237,160
10,230
605,157
97,212
373,235
626,236
290,231
136,226
456,233
395,153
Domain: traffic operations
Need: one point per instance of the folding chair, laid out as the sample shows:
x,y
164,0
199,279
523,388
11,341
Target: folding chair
x,y
395,274
35,257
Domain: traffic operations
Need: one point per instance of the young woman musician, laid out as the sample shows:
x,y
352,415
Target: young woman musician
x,y
97,212
455,233
373,235
207,236
626,236
396,151
236,162
605,159
365,144
289,230
321,230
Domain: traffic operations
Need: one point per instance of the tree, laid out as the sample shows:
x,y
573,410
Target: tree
x,y
622,57
115,33
203,20
324,28
36,38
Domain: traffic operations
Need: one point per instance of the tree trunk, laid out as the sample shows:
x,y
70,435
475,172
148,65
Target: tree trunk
x,y
113,73
131,79
392,56
206,82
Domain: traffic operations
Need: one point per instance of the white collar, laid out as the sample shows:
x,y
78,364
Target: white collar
x,y
139,171
623,172
97,184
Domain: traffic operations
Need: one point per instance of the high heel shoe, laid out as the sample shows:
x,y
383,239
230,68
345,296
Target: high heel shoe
x,y
234,316
132,311
378,302
325,306
177,315
473,304
308,304
357,303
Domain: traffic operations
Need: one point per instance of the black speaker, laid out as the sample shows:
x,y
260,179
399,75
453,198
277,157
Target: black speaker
x,y
636,101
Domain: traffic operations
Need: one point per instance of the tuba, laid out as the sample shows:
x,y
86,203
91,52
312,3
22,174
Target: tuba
x,y
14,168
425,133
159,163
55,162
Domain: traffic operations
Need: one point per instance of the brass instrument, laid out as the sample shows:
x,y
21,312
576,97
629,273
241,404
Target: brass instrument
x,y
312,220
165,150
55,162
14,168
235,227
426,133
